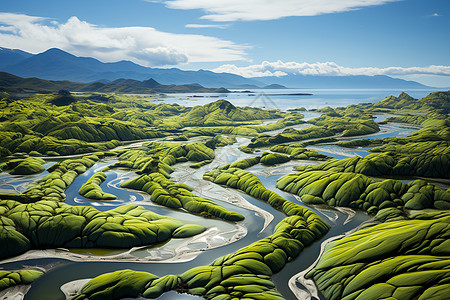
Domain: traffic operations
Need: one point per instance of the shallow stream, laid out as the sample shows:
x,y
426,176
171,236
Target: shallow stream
x,y
179,255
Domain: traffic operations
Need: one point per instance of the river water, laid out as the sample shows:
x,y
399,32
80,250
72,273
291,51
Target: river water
x,y
179,255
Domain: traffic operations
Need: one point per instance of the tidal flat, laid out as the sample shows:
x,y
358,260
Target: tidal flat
x,y
129,198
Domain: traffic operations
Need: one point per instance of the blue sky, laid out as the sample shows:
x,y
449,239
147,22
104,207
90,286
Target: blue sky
x,y
406,38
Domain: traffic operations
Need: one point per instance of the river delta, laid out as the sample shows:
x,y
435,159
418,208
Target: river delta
x,y
116,197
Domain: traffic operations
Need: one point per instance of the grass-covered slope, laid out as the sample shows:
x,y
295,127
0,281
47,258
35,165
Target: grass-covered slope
x,y
403,259
349,123
298,151
53,185
245,274
357,191
92,190
435,101
13,278
23,166
385,164
179,196
49,224
220,113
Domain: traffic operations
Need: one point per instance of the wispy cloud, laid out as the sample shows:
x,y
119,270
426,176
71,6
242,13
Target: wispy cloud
x,y
206,26
250,10
280,68
143,45
435,15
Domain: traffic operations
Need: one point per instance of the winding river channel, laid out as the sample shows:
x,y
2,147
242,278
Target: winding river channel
x,y
176,256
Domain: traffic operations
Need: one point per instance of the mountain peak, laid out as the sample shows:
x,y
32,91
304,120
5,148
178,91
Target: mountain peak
x,y
150,83
405,96
56,51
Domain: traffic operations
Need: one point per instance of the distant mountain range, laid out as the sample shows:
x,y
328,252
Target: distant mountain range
x,y
55,64
14,84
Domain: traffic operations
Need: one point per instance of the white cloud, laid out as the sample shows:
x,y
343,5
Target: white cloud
x,y
206,26
250,10
436,15
280,68
143,45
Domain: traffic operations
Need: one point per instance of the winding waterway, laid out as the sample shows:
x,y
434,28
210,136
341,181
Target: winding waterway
x,y
179,255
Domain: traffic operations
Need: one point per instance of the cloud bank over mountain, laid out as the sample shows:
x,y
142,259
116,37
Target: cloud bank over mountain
x,y
143,45
280,68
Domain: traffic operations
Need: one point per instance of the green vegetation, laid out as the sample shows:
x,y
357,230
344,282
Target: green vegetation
x,y
384,164
402,255
218,113
270,159
245,273
177,196
220,141
12,278
350,122
399,259
25,166
298,151
50,224
246,129
52,186
358,191
438,101
92,190
15,84
158,157
291,135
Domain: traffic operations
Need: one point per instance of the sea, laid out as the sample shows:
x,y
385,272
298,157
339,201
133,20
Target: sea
x,y
284,99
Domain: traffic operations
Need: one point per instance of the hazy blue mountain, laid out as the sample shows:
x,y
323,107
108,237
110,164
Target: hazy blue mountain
x,y
275,86
336,82
12,56
55,64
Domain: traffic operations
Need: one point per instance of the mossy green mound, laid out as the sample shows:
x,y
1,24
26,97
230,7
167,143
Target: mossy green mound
x,y
246,149
246,129
432,102
220,141
246,273
49,224
404,259
188,231
349,124
270,159
52,186
158,157
127,283
291,135
298,151
13,241
116,285
26,166
436,131
179,196
12,278
200,164
92,190
52,146
359,191
383,164
327,125
244,163
217,113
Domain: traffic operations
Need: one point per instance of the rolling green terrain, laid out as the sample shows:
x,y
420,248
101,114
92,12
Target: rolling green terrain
x,y
402,253
14,84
